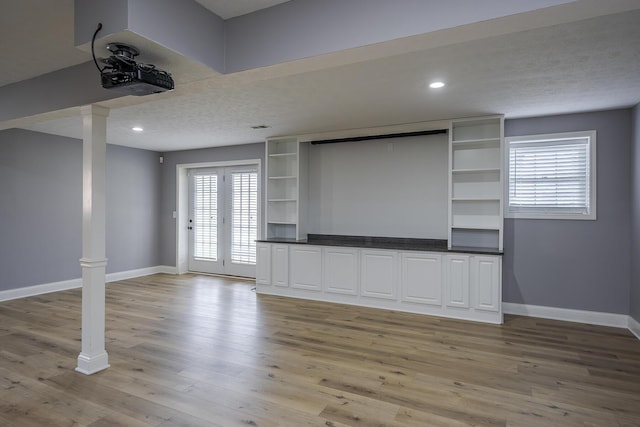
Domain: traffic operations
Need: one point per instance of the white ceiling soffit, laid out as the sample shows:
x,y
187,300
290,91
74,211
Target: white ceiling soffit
x,y
37,36
227,9
32,43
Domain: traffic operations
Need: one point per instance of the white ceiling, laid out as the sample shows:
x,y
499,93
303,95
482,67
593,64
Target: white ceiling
x,y
583,65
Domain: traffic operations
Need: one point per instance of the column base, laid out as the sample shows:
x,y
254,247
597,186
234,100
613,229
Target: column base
x,y
91,364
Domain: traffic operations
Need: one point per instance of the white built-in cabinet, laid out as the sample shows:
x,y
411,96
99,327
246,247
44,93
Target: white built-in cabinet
x,y
475,183
457,277
286,160
341,270
486,275
263,264
422,278
305,270
461,283
378,271
279,265
449,284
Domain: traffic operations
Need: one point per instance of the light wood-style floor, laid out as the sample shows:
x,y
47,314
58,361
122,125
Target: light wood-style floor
x,y
205,351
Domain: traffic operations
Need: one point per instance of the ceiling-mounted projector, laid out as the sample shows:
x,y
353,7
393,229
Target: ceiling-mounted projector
x,y
123,74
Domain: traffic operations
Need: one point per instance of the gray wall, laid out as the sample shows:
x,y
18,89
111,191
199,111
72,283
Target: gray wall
x,y
168,185
133,203
306,28
570,264
41,208
69,87
634,306
582,265
183,26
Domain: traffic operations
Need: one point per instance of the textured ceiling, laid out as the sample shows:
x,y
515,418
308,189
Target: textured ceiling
x,y
584,65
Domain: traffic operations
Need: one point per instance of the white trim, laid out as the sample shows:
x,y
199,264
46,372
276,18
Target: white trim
x,y
580,316
91,364
182,204
132,274
538,213
93,263
46,288
165,269
634,327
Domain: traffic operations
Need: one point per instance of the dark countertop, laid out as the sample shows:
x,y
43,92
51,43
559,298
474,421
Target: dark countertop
x,y
395,243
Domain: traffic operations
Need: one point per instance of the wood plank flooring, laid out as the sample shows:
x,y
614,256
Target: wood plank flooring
x,y
206,351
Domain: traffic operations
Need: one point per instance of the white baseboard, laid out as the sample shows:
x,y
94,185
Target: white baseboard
x,y
166,269
570,315
634,327
132,274
46,288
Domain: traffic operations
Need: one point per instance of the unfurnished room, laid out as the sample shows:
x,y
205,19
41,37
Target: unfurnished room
x,y
320,213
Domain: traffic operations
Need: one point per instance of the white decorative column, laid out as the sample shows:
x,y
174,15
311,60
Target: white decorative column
x,y
93,357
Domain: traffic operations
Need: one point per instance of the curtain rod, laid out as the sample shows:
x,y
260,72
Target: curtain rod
x,y
390,135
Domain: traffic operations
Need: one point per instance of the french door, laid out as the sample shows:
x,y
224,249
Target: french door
x,y
223,220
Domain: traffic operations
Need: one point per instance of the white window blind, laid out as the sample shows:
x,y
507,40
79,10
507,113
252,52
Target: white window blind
x,y
205,215
244,213
551,176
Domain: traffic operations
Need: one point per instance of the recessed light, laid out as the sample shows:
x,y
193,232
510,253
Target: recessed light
x,y
436,85
137,129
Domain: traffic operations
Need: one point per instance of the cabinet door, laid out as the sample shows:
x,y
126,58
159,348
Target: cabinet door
x,y
263,263
457,281
305,267
486,282
422,278
379,274
341,270
280,265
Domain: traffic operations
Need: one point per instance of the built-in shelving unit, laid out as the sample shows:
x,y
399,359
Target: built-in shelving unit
x,y
463,281
475,182
475,188
285,188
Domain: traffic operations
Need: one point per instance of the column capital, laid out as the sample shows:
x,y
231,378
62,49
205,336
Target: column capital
x,y
94,110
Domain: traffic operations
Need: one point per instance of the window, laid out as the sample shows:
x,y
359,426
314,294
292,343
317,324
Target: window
x,y
205,215
551,176
244,217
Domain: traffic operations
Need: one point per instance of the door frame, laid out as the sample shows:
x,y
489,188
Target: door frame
x,y
182,205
